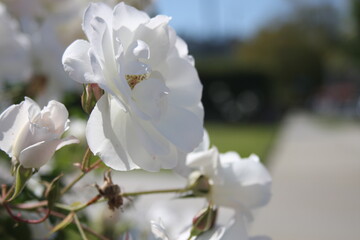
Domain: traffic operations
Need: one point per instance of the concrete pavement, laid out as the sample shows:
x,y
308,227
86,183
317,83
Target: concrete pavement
x,y
316,182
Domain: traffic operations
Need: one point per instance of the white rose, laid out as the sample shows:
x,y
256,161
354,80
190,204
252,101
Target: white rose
x,y
239,183
150,114
30,135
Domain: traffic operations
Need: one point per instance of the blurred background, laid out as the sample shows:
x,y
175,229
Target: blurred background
x,y
281,79
259,60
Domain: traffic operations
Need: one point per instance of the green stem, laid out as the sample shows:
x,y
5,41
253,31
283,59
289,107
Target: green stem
x,y
130,194
89,230
79,177
78,224
8,193
31,205
85,164
174,190
79,207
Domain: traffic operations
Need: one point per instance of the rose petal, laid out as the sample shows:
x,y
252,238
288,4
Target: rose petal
x,y
96,10
128,16
67,141
236,228
248,171
158,230
40,153
181,48
140,50
102,139
59,116
158,41
101,42
149,137
171,160
202,158
12,121
181,168
150,96
76,62
122,37
245,182
157,147
136,150
183,81
157,21
205,143
181,127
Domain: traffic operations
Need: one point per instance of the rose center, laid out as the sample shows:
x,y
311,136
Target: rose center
x,y
136,69
134,79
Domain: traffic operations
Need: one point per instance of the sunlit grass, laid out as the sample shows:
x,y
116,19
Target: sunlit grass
x,y
244,139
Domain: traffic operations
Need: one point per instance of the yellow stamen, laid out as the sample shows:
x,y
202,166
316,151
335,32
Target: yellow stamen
x,y
135,79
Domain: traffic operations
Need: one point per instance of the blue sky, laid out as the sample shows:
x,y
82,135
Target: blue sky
x,y
240,18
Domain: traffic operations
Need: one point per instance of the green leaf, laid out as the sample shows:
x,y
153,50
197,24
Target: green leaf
x,y
22,175
52,192
64,223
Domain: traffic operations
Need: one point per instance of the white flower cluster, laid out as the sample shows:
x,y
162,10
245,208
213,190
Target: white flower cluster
x,y
149,117
34,35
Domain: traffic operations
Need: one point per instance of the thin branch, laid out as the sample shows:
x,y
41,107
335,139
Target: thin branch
x,y
67,188
29,206
30,221
4,193
86,160
89,230
80,176
79,226
174,190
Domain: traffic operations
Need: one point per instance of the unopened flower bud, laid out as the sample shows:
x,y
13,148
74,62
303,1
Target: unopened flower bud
x,y
204,220
91,94
97,91
199,184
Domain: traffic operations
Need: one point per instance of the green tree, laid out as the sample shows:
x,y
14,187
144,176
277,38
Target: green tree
x,y
293,53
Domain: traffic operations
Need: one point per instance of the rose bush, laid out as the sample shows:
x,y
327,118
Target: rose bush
x,y
150,115
30,135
